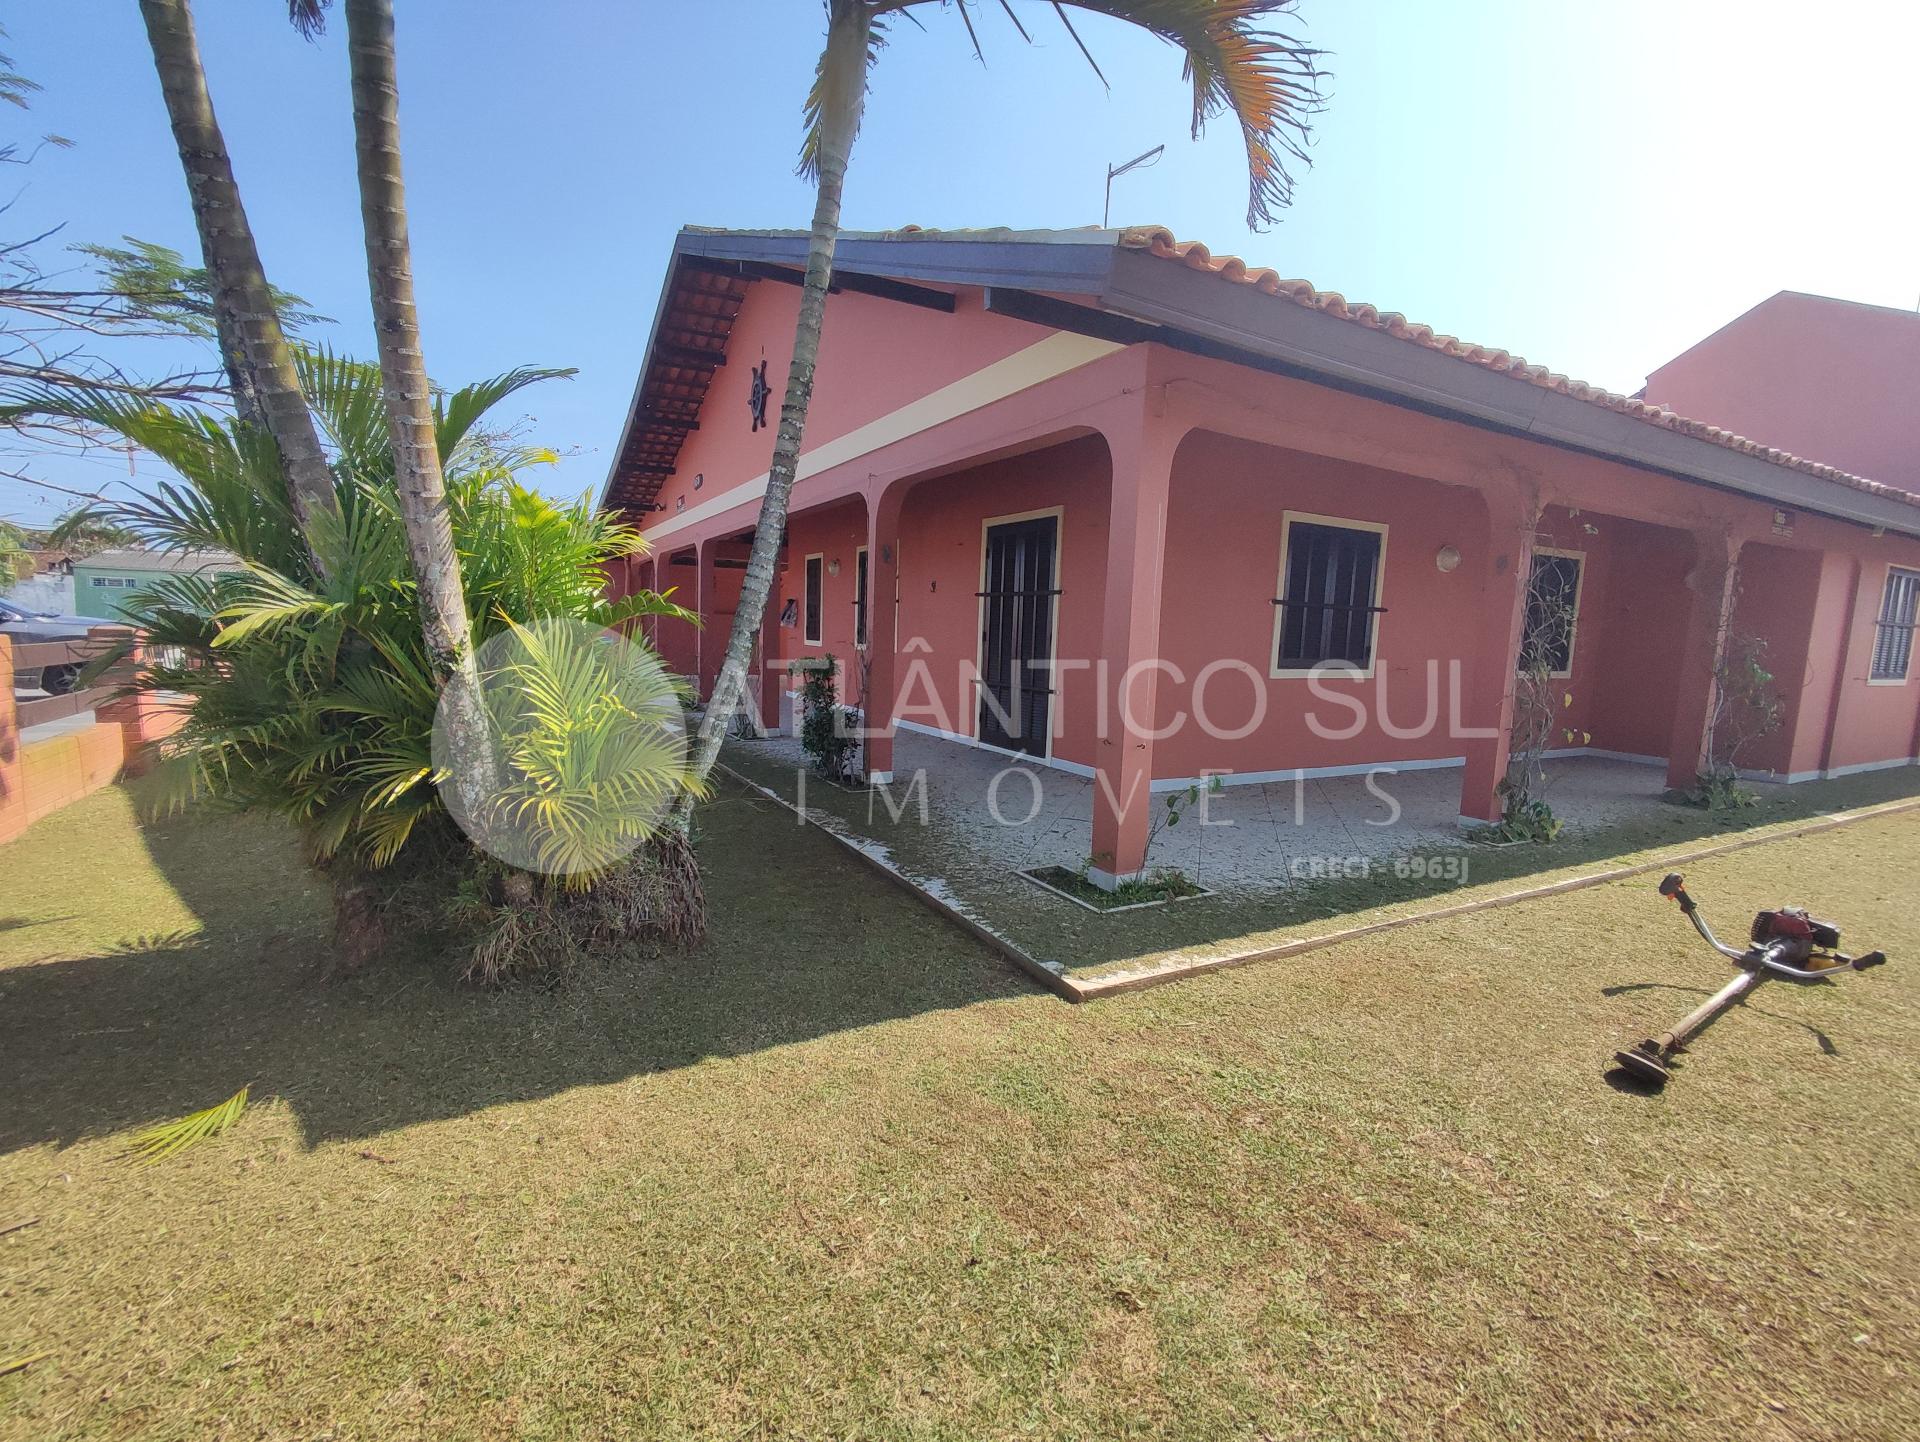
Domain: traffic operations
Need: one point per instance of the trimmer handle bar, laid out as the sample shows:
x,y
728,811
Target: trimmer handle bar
x,y
1770,955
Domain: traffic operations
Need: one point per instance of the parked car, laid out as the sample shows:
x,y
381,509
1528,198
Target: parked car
x,y
31,626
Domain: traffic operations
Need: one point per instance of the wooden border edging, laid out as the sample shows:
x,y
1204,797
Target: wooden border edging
x,y
1177,967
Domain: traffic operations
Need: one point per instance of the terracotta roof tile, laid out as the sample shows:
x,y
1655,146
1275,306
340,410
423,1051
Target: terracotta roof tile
x,y
1160,241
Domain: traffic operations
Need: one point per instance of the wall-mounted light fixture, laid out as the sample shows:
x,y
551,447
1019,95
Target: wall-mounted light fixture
x,y
833,566
1447,558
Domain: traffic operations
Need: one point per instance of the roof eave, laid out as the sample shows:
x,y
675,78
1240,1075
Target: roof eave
x,y
1076,263
1310,342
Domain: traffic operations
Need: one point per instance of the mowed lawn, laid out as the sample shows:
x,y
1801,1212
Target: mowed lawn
x,y
842,1174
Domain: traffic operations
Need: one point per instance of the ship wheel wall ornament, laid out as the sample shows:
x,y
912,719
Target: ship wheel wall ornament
x,y
757,396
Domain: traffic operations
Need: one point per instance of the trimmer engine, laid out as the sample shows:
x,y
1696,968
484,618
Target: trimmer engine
x,y
1786,942
1794,932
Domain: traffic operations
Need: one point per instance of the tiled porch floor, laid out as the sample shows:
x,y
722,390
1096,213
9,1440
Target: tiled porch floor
x,y
1253,839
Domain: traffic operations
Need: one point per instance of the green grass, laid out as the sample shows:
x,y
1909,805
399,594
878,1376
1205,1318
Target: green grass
x,y
1234,920
840,1174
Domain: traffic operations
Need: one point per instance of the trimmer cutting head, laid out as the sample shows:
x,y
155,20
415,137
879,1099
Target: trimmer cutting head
x,y
1643,1063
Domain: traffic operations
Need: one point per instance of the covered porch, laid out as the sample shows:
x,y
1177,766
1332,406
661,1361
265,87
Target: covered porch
x,y
1091,576
1250,840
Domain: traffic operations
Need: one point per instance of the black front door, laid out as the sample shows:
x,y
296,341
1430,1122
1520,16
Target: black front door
x,y
1016,639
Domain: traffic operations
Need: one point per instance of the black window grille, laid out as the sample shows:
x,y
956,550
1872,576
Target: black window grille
x,y
1893,631
1553,596
1327,610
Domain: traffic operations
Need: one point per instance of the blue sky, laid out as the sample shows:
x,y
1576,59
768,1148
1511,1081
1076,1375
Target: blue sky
x,y
1593,187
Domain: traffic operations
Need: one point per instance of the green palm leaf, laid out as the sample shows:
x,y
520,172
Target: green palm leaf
x,y
160,1142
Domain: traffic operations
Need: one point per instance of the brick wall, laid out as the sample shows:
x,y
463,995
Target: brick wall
x,y
39,776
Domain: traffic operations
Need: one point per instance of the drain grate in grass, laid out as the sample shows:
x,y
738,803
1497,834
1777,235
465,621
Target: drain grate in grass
x,y
1158,889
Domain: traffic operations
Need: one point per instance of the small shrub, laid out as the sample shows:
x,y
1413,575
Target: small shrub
x,y
1720,790
834,754
1526,818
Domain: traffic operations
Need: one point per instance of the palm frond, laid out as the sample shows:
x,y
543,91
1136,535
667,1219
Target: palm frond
x,y
455,414
160,1142
1236,62
346,399
856,34
309,17
642,604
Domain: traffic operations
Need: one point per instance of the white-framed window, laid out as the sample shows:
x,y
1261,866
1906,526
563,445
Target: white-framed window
x,y
1326,615
860,597
810,605
111,583
1553,608
1893,628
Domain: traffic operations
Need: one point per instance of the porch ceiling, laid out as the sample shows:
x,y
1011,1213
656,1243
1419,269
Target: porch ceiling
x,y
689,343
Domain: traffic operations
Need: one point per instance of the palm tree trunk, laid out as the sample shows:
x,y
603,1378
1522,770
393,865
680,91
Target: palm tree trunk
x,y
848,33
409,395
244,314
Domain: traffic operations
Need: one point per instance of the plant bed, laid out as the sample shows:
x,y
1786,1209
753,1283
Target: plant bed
x,y
1158,889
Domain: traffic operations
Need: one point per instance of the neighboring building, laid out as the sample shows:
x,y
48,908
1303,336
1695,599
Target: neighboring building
x,y
45,584
105,581
1811,375
1067,491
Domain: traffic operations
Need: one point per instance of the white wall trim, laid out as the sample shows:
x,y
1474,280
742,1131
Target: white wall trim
x,y
1327,773
1834,772
1307,773
1042,361
1791,778
1604,754
1072,768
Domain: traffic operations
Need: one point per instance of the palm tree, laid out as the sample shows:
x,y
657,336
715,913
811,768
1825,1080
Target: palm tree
x,y
1267,79
246,318
409,394
305,688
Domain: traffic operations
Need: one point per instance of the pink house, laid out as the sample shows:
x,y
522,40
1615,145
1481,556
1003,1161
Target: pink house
x,y
1112,504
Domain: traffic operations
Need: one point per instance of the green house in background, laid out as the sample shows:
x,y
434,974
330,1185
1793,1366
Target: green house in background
x,y
102,583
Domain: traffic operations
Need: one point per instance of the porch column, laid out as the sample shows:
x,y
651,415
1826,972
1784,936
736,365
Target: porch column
x,y
883,573
1141,446
1485,667
1710,591
710,641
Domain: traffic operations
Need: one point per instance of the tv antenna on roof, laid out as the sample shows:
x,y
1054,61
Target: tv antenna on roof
x,y
1139,162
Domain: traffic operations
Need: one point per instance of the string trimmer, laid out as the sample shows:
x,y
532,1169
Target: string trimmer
x,y
1787,942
